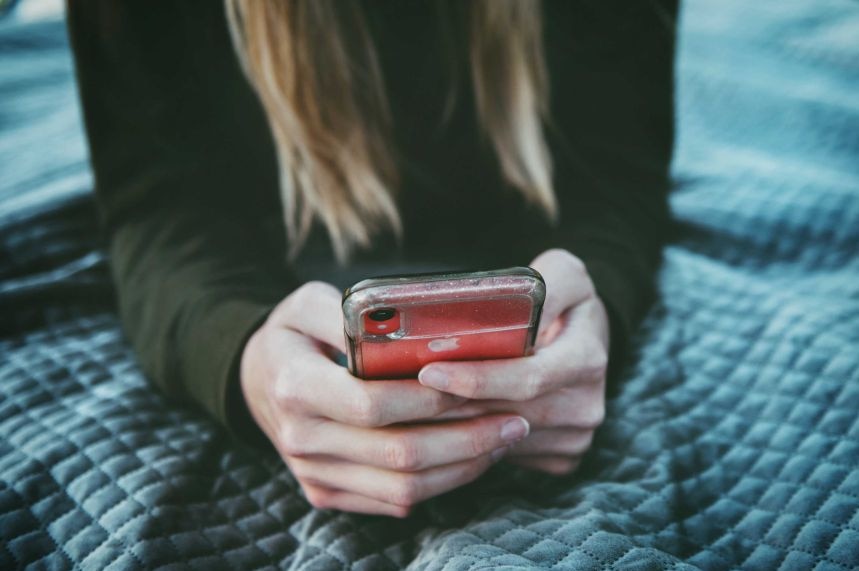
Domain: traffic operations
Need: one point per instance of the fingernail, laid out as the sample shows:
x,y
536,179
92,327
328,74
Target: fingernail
x,y
515,429
433,378
497,454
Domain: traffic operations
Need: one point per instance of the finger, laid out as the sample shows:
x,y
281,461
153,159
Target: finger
x,y
555,465
550,331
403,489
579,354
580,406
408,448
324,498
509,379
314,310
567,284
471,409
554,442
314,385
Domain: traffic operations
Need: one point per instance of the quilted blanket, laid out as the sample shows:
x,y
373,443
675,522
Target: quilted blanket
x,y
731,442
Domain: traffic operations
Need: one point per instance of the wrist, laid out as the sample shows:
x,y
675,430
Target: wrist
x,y
240,418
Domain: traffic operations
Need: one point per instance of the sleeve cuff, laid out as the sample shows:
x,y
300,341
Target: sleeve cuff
x,y
211,367
622,306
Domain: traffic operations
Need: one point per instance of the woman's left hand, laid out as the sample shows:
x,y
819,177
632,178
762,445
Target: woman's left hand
x,y
560,389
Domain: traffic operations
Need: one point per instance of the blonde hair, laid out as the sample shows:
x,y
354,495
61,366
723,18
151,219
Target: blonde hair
x,y
317,74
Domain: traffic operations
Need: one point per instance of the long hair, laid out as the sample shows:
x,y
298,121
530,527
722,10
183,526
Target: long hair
x,y
317,74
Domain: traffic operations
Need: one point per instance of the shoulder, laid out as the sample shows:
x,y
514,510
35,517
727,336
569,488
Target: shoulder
x,y
138,34
609,25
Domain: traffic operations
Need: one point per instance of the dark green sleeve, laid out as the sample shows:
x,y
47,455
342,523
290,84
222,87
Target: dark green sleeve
x,y
611,67
184,178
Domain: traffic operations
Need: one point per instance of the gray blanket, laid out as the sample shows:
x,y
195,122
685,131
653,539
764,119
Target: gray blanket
x,y
732,440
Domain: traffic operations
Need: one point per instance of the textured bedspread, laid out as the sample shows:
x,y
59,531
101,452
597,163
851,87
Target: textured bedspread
x,y
732,442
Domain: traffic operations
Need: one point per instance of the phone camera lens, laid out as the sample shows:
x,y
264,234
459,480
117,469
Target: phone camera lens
x,y
382,314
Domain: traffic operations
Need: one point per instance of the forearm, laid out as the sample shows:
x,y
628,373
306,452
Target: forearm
x,y
611,133
621,246
185,176
190,295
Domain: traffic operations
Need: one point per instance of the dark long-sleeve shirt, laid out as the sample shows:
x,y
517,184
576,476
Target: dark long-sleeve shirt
x,y
186,174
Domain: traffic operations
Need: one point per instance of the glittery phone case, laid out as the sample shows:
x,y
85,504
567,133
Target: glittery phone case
x,y
395,325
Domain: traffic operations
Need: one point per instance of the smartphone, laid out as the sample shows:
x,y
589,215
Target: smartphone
x,y
395,325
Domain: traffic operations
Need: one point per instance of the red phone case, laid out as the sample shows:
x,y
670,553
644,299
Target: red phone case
x,y
396,325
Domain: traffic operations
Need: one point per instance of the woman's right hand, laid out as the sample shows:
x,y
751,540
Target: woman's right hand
x,y
347,441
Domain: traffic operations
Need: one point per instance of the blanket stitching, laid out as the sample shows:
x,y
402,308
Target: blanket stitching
x,y
95,465
27,414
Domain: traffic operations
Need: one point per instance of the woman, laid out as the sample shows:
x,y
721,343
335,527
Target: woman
x,y
246,154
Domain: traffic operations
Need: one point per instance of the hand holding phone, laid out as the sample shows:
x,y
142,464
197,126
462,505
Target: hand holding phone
x,y
560,389
396,325
355,445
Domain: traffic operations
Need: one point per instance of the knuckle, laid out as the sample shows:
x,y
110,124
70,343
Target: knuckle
x,y
564,257
365,410
597,365
581,444
575,263
562,467
593,367
298,467
319,498
287,394
594,372
311,289
587,441
556,410
406,492
590,289
593,416
293,302
281,312
293,441
439,402
300,297
532,385
402,454
535,382
482,441
559,255
477,468
545,415
476,386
